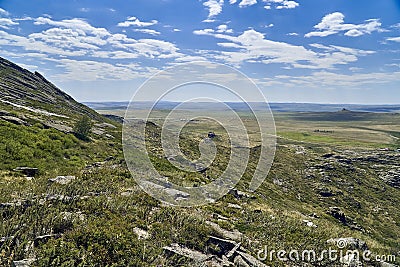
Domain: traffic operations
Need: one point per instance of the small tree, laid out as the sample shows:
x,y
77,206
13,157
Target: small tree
x,y
82,128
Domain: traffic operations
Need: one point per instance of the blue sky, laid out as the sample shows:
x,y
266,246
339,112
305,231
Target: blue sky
x,y
326,51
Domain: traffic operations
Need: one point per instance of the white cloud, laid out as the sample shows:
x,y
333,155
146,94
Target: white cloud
x,y
68,39
292,34
394,39
4,12
214,7
87,70
148,31
334,23
232,2
224,28
252,46
176,30
334,80
203,32
133,21
76,37
245,3
75,24
281,4
6,23
209,20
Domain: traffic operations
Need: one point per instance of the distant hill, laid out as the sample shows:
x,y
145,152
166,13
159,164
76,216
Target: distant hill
x,y
276,107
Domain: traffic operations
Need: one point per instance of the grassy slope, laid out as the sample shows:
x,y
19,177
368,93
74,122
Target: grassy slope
x,y
104,236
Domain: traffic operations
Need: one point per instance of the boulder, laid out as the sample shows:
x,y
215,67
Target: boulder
x,y
337,214
185,252
250,260
218,246
238,261
62,179
142,234
23,263
28,171
232,235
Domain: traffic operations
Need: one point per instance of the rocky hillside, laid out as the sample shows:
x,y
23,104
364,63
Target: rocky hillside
x,y
22,90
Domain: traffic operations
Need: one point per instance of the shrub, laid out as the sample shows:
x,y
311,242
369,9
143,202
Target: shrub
x,y
82,128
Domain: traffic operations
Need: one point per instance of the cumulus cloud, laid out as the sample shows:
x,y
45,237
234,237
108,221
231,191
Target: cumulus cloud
x,y
245,3
89,70
148,31
292,34
252,46
76,24
334,23
133,21
5,23
280,4
331,79
4,12
214,7
393,39
76,37
203,32
223,28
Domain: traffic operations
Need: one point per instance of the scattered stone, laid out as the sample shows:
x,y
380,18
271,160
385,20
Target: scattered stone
x,y
392,178
310,223
5,238
232,235
233,251
62,179
58,126
98,131
14,120
142,234
105,125
211,135
328,155
57,197
240,194
234,206
324,192
73,216
23,263
28,171
385,264
313,215
186,252
350,260
176,193
219,246
337,214
45,238
238,261
250,260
